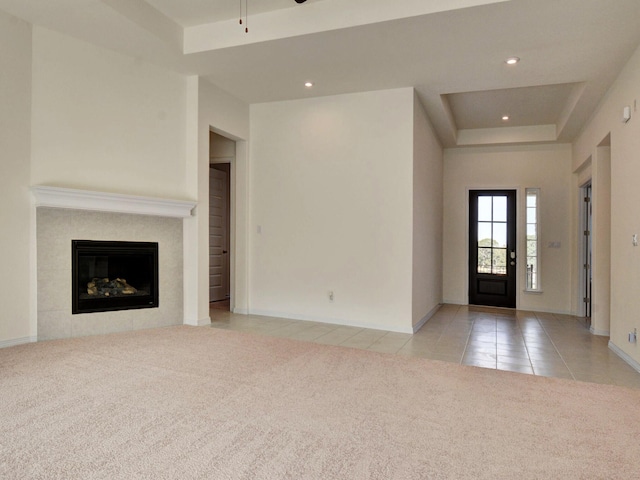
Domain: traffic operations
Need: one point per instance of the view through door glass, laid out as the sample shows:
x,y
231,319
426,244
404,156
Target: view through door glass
x,y
492,254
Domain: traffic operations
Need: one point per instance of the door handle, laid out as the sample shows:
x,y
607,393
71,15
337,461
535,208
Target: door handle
x,y
224,251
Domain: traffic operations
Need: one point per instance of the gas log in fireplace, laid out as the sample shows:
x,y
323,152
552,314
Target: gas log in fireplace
x,y
110,275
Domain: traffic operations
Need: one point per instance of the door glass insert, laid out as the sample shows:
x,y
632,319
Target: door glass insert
x,y
499,266
484,209
485,234
499,209
500,235
492,234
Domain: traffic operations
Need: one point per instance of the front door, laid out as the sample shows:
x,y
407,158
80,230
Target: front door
x,y
492,248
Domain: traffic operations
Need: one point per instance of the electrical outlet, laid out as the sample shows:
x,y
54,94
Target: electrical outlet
x,y
331,295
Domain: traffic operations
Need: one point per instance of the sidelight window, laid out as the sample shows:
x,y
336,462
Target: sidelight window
x,y
533,270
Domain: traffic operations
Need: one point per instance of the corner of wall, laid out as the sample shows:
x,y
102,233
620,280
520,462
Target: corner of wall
x,y
16,247
427,264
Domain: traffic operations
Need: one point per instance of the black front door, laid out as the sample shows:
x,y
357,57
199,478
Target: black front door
x,y
492,248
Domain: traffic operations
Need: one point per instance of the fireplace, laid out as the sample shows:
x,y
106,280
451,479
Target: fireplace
x,y
109,275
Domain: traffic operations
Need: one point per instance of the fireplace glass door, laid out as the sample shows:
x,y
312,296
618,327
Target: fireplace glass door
x,y
108,275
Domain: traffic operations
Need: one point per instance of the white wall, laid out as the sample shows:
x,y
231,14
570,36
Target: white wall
x,y
104,121
625,219
427,217
546,167
16,326
331,209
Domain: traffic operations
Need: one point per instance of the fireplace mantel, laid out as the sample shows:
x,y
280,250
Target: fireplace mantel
x,y
70,198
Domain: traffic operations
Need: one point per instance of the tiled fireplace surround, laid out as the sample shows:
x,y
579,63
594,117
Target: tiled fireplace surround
x,y
58,222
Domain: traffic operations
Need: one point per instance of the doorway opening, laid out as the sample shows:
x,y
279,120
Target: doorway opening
x,y
222,152
492,248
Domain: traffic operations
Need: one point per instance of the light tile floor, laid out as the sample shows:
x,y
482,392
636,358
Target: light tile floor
x,y
526,342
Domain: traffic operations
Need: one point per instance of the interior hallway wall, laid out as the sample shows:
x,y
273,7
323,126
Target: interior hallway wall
x,y
601,242
625,221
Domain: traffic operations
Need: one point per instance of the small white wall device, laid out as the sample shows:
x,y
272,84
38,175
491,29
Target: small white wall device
x,y
626,114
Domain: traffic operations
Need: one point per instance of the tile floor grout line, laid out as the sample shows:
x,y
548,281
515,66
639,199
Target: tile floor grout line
x,y
344,339
466,345
525,344
401,347
554,346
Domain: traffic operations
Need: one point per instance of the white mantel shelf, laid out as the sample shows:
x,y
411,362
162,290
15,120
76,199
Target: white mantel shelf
x,y
70,198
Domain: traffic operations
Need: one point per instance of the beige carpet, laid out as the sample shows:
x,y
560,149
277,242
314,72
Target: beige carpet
x,y
200,403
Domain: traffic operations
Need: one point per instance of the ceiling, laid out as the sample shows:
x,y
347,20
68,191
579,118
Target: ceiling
x,y
451,51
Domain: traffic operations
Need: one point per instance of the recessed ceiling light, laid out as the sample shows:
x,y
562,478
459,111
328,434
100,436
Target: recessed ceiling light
x,y
308,84
512,60
505,117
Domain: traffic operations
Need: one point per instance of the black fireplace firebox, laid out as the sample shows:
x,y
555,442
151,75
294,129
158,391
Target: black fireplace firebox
x,y
109,275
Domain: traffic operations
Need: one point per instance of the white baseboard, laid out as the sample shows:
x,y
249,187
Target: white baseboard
x,y
426,318
332,321
17,341
602,333
240,311
453,302
635,365
203,322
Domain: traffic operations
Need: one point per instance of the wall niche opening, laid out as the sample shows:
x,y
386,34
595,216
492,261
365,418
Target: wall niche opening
x,y
111,275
